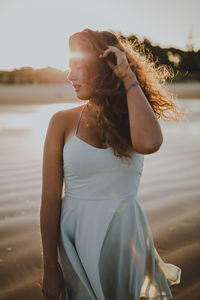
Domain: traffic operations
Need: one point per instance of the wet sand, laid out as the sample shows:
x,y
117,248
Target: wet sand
x,y
169,194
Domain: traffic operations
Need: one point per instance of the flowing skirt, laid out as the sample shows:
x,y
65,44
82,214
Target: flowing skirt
x,y
106,251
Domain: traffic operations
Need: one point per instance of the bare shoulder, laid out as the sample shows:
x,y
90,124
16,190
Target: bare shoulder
x,y
66,117
64,121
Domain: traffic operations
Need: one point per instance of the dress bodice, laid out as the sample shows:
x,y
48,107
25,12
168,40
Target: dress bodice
x,y
96,173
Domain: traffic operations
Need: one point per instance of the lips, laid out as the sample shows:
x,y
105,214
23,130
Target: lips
x,y
76,86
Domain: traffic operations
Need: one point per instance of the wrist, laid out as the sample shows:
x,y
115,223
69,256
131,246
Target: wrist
x,y
128,79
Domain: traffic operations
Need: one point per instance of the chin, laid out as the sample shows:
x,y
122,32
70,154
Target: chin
x,y
82,96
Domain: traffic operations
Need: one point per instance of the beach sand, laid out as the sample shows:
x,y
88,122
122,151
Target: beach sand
x,y
169,194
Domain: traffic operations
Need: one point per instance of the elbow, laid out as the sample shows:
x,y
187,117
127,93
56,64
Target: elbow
x,y
150,147
153,146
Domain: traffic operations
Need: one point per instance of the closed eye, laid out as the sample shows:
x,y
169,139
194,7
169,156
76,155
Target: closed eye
x,y
75,68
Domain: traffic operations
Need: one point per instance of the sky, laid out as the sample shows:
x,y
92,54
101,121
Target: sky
x,y
35,32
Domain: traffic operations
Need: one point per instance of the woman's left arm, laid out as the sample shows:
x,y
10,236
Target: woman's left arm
x,y
145,131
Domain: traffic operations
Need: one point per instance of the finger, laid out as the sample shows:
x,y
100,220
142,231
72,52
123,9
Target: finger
x,y
44,295
112,66
63,294
50,296
106,53
115,49
111,49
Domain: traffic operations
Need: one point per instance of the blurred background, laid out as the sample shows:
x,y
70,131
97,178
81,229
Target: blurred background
x,y
33,86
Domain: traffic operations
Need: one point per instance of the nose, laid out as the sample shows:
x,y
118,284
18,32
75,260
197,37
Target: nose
x,y
71,76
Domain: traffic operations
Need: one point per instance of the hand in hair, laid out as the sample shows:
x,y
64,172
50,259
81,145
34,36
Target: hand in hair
x,y
121,68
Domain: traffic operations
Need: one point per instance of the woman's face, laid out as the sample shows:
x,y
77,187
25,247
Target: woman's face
x,y
83,73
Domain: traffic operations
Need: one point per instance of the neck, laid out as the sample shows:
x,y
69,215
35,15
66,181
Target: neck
x,y
90,109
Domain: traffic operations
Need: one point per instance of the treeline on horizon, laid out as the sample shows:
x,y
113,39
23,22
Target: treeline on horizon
x,y
185,64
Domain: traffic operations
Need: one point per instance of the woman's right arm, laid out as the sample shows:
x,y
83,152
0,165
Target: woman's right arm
x,y
51,197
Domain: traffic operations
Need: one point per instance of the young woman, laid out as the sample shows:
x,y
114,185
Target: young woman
x,y
97,242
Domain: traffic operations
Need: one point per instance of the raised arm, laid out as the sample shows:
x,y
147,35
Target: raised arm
x,y
145,130
51,197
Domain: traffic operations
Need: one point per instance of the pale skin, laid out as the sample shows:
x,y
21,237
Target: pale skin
x,y
146,138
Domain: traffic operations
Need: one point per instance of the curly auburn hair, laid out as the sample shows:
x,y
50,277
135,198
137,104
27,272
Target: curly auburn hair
x,y
109,99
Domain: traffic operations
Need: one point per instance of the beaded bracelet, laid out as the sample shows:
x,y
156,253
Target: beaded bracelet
x,y
132,84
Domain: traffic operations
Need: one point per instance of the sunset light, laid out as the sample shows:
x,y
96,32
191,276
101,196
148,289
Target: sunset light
x,y
36,33
100,149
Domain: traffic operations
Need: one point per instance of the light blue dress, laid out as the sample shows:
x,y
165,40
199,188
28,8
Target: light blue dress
x,y
106,248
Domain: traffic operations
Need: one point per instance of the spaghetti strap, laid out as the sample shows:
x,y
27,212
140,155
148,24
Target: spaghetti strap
x,y
79,119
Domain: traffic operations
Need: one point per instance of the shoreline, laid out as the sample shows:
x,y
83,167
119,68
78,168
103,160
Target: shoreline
x,y
54,93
